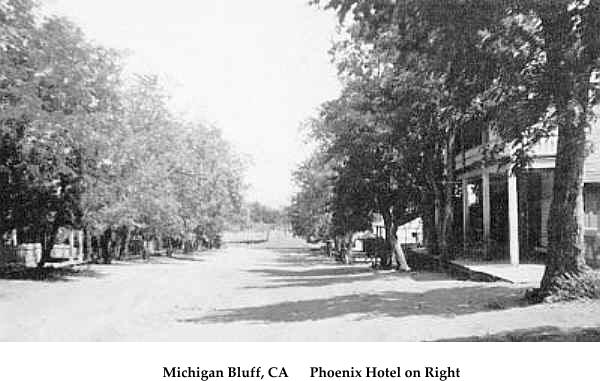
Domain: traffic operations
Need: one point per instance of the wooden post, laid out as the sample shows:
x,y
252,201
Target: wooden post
x,y
485,182
72,244
513,218
465,204
89,247
80,248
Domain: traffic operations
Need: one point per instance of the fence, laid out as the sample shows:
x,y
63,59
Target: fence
x,y
30,254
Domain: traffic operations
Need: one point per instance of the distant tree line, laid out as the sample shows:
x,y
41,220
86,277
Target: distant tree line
x,y
83,146
419,76
259,217
262,214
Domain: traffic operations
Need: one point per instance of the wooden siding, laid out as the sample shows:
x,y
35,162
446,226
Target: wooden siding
x,y
591,206
591,170
544,153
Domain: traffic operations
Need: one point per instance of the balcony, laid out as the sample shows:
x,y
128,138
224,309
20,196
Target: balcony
x,y
542,153
545,147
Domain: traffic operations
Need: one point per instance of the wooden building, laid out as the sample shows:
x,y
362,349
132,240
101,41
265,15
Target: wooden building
x,y
504,215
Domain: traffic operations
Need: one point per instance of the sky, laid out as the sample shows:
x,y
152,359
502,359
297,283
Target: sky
x,y
254,68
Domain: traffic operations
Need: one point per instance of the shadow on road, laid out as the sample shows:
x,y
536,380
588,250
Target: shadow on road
x,y
448,302
320,277
301,258
295,267
296,250
318,272
156,260
183,258
48,274
545,333
316,282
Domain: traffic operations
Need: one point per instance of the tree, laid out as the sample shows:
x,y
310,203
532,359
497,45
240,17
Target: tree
x,y
555,51
83,148
259,214
434,42
309,211
161,176
530,58
356,134
55,82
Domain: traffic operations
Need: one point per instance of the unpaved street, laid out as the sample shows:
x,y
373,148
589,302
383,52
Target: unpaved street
x,y
273,294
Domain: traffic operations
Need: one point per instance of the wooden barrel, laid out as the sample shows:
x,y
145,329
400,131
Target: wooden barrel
x,y
30,254
61,251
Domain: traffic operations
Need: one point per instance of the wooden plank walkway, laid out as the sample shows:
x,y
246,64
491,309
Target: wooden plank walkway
x,y
529,274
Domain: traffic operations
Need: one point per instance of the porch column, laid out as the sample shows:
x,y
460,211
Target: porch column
x,y
485,182
513,218
465,205
13,237
71,244
80,249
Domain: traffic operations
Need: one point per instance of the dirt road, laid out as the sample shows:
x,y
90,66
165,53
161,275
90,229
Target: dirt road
x,y
273,294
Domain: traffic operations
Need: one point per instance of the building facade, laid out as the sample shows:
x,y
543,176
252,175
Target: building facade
x,y
503,214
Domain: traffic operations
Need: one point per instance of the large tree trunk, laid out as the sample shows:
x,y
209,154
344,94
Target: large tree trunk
x,y
118,244
429,227
169,247
446,219
397,251
387,256
145,250
127,242
438,212
571,96
565,222
446,239
337,243
107,246
443,219
347,248
88,245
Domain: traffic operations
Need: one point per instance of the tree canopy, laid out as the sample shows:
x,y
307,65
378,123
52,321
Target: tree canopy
x,y
86,147
427,73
